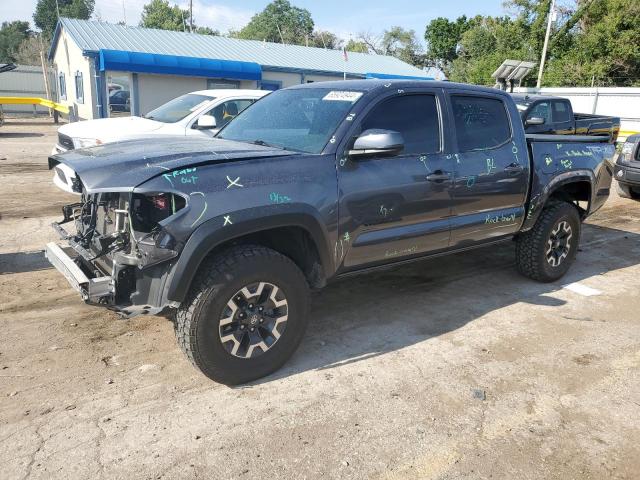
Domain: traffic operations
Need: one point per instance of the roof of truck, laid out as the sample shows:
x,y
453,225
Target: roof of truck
x,y
533,98
371,84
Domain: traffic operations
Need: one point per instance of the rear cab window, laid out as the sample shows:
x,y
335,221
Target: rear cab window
x,y
481,123
561,111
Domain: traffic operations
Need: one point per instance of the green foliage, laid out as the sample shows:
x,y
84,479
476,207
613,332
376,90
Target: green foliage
x,y
325,39
159,14
46,16
443,39
29,51
207,31
279,22
12,34
592,40
357,46
402,44
605,50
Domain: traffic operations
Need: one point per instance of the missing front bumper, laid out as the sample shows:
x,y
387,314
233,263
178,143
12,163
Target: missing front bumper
x,y
91,289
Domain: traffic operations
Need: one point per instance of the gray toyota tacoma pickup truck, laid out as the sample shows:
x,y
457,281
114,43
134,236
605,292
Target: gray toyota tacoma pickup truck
x,y
226,236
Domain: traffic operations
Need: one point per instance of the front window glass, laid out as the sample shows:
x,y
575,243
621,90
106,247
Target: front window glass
x,y
541,110
178,108
414,116
300,119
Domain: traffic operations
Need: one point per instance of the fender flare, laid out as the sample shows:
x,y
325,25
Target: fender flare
x,y
213,233
540,199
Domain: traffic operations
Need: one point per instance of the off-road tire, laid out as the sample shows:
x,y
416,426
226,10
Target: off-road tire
x,y
531,246
198,318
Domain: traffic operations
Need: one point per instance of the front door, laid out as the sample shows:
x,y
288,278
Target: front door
x,y
393,207
491,170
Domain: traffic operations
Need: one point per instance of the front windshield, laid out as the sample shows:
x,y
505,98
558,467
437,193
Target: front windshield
x,y
301,119
178,108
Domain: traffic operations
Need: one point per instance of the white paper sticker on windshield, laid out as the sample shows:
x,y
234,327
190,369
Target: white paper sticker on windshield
x,y
342,96
201,104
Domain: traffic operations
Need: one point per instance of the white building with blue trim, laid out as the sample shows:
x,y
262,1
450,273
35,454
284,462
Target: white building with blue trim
x,y
94,59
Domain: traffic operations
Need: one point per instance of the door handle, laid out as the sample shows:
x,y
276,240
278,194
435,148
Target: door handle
x,y
514,168
438,176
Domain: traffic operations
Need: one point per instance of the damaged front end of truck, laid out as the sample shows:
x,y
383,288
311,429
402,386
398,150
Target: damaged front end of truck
x,y
119,254
121,238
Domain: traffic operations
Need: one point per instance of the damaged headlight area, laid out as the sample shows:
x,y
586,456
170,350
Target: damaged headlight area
x,y
121,247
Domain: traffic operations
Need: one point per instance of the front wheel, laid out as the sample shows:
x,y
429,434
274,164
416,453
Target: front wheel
x,y
245,314
546,252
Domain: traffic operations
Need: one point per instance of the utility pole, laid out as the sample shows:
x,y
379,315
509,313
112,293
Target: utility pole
x,y
546,41
280,32
191,16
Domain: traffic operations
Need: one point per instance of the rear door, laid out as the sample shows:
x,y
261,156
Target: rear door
x,y
394,207
491,168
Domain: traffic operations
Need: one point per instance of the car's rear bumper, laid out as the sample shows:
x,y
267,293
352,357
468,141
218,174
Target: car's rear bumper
x,y
627,174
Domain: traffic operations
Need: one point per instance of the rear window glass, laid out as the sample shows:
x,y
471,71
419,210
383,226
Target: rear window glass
x,y
561,112
481,123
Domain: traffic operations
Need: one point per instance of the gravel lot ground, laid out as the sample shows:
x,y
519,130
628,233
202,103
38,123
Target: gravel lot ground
x,y
446,369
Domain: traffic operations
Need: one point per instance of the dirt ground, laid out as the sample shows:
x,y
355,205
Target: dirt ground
x,y
446,369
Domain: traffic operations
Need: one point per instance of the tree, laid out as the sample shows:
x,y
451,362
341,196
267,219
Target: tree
x,y
12,34
46,14
279,22
207,31
29,51
325,39
159,14
605,46
356,46
443,39
402,44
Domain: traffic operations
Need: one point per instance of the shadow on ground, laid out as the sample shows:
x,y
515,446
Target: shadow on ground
x,y
20,134
23,262
369,315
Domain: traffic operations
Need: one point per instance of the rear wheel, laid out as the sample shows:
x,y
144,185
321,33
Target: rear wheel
x,y
245,315
546,252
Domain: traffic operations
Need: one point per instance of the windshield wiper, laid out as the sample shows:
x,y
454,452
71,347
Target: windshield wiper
x,y
262,143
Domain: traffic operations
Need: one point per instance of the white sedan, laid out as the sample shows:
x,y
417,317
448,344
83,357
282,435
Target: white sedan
x,y
197,113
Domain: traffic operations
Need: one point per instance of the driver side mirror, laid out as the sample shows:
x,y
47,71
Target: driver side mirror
x,y
205,122
377,142
535,121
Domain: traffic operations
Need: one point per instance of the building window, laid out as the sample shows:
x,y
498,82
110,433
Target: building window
x,y
270,85
79,88
216,83
62,86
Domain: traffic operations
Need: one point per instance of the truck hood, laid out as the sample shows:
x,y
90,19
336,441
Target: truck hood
x,y
109,129
122,166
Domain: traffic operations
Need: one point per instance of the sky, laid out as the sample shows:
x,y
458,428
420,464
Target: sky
x,y
343,17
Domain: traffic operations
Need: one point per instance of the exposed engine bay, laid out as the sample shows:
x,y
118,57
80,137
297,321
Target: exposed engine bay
x,y
117,235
